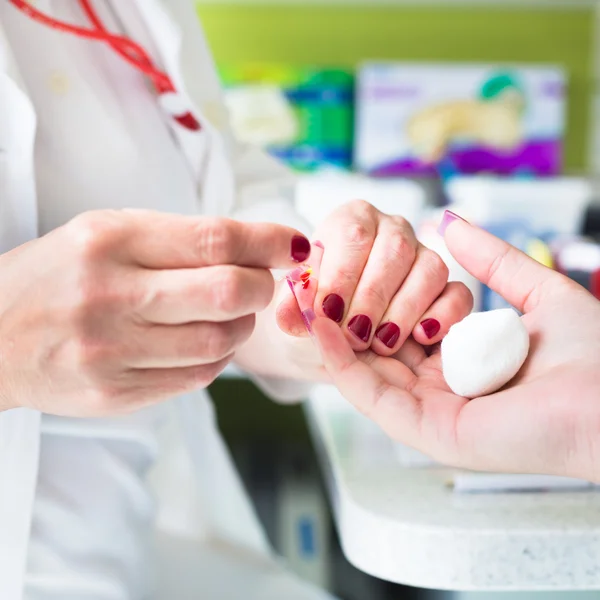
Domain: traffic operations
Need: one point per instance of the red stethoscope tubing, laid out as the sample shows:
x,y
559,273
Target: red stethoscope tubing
x,y
132,52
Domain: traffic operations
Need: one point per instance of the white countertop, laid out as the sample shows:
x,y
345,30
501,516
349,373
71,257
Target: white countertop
x,y
408,526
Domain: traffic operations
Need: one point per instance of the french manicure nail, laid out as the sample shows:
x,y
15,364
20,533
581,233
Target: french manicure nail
x,y
431,327
300,248
388,333
333,307
360,326
448,218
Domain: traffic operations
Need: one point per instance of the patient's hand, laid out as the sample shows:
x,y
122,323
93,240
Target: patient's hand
x,y
547,420
373,278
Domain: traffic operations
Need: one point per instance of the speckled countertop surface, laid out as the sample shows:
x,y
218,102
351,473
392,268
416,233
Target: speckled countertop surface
x,y
407,525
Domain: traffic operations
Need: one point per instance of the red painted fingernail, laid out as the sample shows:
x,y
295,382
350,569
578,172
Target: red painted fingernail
x,y
360,326
388,333
431,327
333,307
300,248
448,218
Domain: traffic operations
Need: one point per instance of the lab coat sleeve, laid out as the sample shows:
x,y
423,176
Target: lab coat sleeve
x,y
20,427
265,192
263,188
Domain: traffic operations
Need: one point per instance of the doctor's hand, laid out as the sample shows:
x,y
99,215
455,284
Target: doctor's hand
x,y
545,421
120,309
378,283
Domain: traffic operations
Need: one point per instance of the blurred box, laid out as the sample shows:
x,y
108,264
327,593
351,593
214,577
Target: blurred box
x,y
319,194
303,116
419,119
546,206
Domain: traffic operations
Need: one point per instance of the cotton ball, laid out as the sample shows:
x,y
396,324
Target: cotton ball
x,y
484,352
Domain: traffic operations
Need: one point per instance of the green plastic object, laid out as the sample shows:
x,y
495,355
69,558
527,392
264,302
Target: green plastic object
x,y
322,102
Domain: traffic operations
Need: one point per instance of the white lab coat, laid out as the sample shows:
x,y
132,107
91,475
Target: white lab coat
x,y
225,541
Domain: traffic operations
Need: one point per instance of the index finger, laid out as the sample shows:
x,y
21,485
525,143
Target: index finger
x,y
361,384
165,241
384,392
518,278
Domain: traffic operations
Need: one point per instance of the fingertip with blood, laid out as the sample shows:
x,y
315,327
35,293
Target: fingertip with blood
x,y
303,282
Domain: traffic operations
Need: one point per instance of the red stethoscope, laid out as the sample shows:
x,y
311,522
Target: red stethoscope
x,y
130,51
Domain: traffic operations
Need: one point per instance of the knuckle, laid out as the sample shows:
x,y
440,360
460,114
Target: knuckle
x,y
345,279
375,296
359,234
227,292
93,298
90,355
400,247
216,240
435,265
403,224
90,233
87,299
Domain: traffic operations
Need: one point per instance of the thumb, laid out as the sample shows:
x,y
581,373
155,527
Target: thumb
x,y
515,276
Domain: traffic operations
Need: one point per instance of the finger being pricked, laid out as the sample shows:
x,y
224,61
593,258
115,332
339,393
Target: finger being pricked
x,y
348,235
299,291
453,305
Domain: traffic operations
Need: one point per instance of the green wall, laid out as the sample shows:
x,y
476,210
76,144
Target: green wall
x,y
324,35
